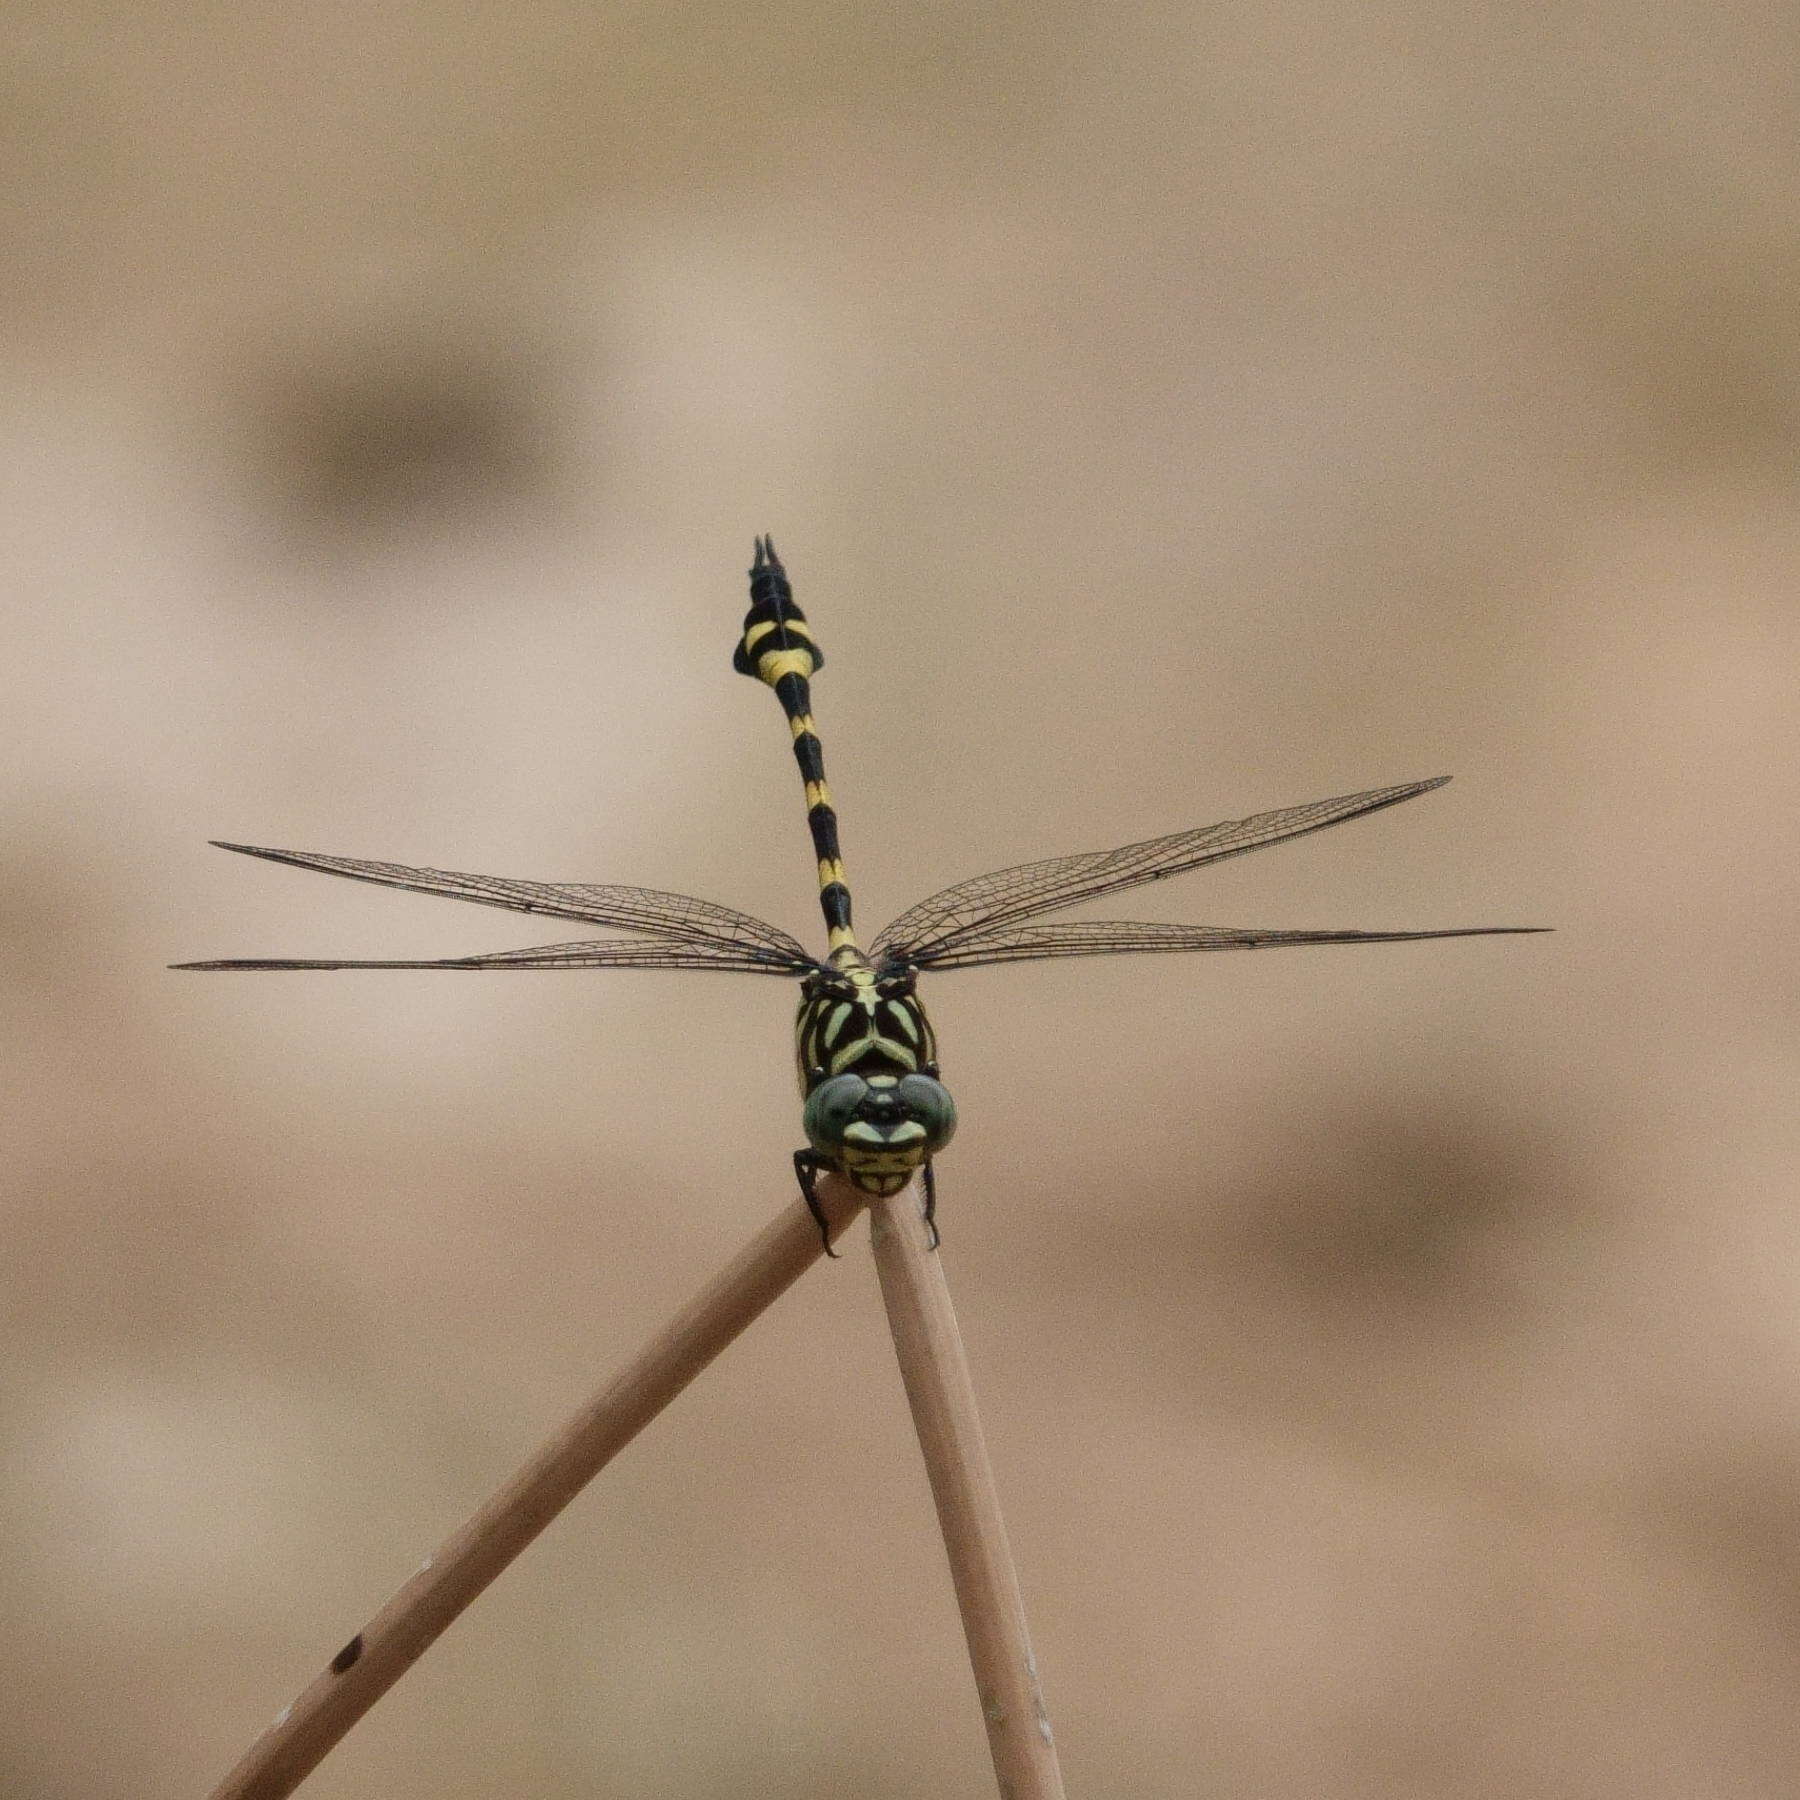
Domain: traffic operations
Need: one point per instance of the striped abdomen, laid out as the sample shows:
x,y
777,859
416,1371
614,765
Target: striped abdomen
x,y
777,648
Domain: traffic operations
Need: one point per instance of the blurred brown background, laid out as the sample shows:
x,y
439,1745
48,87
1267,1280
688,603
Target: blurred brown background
x,y
1390,1355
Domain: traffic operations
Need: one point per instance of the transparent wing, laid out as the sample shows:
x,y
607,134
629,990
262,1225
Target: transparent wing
x,y
674,918
602,953
1115,937
965,916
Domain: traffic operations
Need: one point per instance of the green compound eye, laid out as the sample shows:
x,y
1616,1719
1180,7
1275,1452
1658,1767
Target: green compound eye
x,y
914,1111
929,1102
830,1108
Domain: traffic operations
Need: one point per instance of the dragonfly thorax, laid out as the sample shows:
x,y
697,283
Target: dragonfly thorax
x,y
861,1020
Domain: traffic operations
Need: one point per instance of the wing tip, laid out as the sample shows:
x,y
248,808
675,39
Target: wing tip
x,y
1442,931
1489,931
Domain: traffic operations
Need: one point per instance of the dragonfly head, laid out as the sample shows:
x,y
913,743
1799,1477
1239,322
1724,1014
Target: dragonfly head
x,y
878,1130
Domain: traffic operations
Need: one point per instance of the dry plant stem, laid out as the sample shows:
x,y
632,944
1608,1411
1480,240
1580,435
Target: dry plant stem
x,y
936,1373
447,1582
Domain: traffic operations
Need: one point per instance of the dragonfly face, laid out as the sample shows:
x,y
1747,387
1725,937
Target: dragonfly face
x,y
878,1129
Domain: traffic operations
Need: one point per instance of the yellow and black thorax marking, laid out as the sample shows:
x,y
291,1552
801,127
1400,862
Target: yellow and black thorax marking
x,y
860,1024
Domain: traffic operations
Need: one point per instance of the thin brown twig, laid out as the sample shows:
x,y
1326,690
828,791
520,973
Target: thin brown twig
x,y
448,1581
936,1374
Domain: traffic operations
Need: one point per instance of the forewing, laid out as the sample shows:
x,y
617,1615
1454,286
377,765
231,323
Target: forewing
x,y
676,918
602,953
964,916
1116,937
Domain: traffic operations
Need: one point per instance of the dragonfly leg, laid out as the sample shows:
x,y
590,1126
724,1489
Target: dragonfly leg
x,y
930,1178
807,1164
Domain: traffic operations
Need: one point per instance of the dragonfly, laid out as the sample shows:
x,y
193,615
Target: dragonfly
x,y
874,1107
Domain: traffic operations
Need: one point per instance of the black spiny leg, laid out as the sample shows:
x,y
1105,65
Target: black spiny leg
x,y
807,1167
931,1206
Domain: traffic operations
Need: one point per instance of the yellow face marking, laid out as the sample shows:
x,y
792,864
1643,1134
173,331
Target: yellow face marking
x,y
908,1132
881,1171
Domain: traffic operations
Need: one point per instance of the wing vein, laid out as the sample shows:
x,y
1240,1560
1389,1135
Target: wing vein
x,y
599,953
1114,937
672,919
968,915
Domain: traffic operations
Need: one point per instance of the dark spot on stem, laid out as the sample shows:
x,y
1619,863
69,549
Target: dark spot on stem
x,y
348,1655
